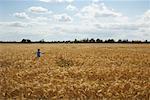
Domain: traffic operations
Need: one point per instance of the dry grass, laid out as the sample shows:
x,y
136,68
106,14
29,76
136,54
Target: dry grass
x,y
75,71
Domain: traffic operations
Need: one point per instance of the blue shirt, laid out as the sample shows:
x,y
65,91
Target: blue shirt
x,y
38,53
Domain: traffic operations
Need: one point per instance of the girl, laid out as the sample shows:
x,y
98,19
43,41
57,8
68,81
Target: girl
x,y
38,53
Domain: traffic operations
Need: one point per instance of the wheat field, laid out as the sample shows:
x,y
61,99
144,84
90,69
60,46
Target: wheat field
x,y
75,72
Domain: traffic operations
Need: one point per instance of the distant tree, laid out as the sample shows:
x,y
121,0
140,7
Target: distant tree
x,y
92,40
110,41
99,41
42,41
67,41
84,41
76,41
146,41
119,41
136,41
125,41
26,41
23,41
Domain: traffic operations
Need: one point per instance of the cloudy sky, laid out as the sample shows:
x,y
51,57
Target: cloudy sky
x,y
70,19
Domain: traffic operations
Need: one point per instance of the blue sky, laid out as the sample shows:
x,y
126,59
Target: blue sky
x,y
70,19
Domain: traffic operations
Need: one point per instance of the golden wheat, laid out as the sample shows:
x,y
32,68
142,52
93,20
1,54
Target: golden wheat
x,y
75,71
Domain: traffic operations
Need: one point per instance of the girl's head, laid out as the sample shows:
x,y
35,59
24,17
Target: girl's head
x,y
38,49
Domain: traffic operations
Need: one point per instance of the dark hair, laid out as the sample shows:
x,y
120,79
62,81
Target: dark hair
x,y
38,49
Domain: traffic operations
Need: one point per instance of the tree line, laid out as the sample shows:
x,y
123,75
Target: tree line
x,y
92,40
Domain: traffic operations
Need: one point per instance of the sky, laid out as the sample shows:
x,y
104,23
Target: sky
x,y
74,19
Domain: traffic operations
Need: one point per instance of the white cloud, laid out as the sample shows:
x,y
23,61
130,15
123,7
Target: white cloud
x,y
59,1
17,24
92,19
147,15
99,10
63,18
144,22
14,24
118,26
69,1
96,1
71,8
21,15
45,0
145,18
41,19
38,9
94,13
